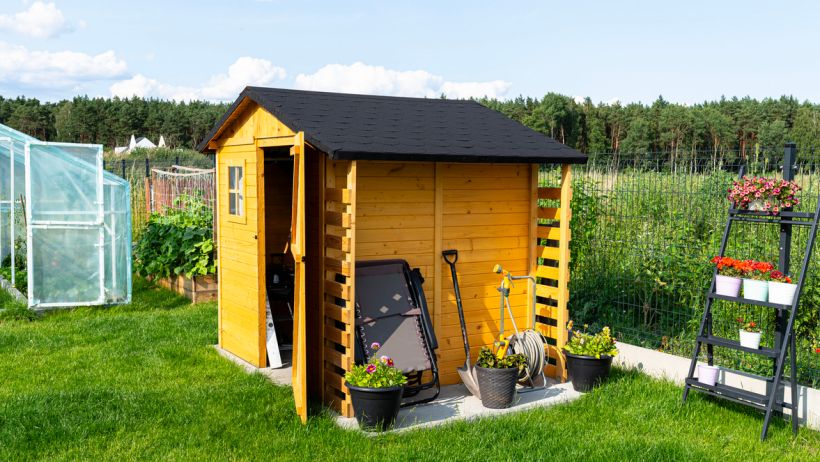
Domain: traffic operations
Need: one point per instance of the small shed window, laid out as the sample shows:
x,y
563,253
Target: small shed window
x,y
236,190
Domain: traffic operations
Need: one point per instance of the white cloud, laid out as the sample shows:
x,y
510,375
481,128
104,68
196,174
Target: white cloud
x,y
56,69
40,20
222,87
366,79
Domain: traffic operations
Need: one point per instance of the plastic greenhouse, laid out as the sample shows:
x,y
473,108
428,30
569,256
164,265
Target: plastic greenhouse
x,y
69,217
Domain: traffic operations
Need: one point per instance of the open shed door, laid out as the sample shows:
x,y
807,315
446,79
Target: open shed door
x,y
66,227
297,248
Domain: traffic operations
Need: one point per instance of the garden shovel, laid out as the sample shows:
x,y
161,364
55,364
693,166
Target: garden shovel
x,y
466,372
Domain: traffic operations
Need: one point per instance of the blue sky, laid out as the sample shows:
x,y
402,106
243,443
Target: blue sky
x,y
630,50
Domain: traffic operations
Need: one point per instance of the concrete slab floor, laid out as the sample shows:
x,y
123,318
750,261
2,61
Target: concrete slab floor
x,y
454,403
279,376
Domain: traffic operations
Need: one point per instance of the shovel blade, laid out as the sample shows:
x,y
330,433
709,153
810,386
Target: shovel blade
x,y
468,377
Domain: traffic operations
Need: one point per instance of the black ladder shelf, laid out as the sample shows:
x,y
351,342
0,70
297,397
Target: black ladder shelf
x,y
785,342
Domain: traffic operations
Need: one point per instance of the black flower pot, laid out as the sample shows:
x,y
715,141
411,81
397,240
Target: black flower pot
x,y
497,386
375,408
587,371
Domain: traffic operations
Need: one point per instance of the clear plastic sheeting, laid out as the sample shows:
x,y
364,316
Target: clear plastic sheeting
x,y
70,218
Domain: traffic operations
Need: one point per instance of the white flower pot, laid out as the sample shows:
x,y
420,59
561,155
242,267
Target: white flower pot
x,y
707,375
755,290
750,339
781,292
757,205
727,285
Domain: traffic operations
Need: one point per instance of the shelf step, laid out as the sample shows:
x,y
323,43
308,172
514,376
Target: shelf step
x,y
772,222
747,301
735,345
734,394
787,214
726,391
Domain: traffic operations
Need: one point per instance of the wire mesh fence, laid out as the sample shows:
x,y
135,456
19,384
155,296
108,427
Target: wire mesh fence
x,y
644,228
156,185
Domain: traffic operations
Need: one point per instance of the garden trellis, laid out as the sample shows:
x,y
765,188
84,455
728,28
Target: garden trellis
x,y
72,215
168,186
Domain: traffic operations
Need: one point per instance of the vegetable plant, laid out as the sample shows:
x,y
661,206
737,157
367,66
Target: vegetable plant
x,y
178,242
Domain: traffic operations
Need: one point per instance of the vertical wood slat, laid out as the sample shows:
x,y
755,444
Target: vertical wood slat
x,y
561,292
339,262
533,257
438,231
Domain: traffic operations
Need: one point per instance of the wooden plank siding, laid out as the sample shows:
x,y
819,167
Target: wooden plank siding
x,y
338,274
241,255
451,208
551,262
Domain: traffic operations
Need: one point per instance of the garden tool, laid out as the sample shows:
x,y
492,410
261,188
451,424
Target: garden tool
x,y
530,343
466,372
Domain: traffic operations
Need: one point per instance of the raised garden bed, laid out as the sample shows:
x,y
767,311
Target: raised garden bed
x,y
198,289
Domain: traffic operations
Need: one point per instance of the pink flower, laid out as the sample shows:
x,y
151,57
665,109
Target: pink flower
x,y
371,368
375,346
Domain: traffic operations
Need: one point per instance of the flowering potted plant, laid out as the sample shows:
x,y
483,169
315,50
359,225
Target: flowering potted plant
x,y
781,289
727,281
763,194
755,279
589,357
497,377
749,334
376,389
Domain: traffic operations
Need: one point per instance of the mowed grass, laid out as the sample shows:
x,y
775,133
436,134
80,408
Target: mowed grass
x,y
141,382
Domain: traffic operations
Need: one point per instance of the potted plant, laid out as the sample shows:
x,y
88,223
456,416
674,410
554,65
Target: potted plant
x,y
749,334
763,194
707,374
755,279
727,281
589,357
497,377
781,289
375,390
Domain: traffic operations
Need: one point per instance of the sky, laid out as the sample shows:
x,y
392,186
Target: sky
x,y
628,51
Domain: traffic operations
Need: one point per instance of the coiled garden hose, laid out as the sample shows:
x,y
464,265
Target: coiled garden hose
x,y
533,346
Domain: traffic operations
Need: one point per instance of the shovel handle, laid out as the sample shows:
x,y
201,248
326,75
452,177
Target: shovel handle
x,y
450,253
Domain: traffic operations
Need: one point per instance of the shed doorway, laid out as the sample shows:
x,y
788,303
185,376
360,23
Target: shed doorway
x,y
279,264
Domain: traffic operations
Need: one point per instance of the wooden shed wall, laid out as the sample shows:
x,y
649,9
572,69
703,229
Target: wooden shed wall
x,y
415,210
240,242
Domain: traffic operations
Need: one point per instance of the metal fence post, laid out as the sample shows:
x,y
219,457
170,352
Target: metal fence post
x,y
784,259
147,168
122,164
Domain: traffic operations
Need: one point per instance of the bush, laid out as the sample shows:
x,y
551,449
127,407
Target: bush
x,y
178,242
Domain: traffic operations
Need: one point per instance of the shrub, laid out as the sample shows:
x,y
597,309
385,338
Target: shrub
x,y
583,343
178,242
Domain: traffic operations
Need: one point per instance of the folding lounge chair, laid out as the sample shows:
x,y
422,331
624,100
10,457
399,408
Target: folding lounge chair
x,y
391,309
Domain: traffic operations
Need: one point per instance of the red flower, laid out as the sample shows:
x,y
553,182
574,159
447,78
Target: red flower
x,y
817,350
371,368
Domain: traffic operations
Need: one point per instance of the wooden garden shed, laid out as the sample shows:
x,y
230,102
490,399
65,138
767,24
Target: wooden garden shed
x,y
331,179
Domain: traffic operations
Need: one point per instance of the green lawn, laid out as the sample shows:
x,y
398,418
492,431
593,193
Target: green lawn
x,y
141,382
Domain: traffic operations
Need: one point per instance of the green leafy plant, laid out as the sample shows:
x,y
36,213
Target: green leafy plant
x,y
178,242
488,360
379,372
583,343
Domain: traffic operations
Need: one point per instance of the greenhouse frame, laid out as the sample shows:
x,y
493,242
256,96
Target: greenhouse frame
x,y
70,217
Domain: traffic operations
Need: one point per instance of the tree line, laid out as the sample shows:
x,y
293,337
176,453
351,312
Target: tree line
x,y
728,127
721,129
112,121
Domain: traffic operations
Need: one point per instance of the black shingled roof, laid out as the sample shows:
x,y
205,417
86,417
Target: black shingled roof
x,y
365,127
